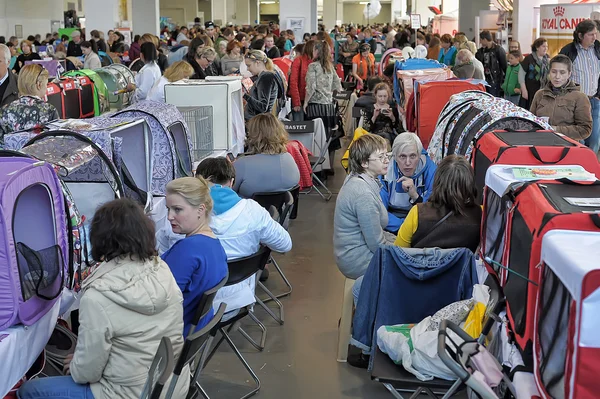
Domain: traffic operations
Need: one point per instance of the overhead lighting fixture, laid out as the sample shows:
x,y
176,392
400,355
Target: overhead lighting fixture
x,y
267,2
364,2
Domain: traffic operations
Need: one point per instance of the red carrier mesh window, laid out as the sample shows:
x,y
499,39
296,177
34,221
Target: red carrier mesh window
x,y
516,287
494,226
553,334
87,97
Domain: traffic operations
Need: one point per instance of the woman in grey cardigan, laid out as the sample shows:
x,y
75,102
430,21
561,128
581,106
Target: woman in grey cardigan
x,y
360,215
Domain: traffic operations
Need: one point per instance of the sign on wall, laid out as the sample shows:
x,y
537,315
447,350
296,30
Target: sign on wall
x,y
297,25
557,22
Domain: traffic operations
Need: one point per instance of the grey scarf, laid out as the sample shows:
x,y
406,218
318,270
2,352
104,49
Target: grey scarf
x,y
544,65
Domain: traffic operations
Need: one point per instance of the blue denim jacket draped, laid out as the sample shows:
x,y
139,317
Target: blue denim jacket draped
x,y
405,285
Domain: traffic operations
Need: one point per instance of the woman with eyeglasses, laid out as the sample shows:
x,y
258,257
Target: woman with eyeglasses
x,y
409,179
29,111
203,59
360,215
148,76
363,65
268,87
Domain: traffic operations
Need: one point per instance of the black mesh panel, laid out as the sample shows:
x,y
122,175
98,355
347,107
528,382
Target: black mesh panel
x,y
482,164
553,333
40,271
494,225
87,99
72,104
547,139
516,287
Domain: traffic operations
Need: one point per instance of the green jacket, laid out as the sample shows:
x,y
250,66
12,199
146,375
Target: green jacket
x,y
511,81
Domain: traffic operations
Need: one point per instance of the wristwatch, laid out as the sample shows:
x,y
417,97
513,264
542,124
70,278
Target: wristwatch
x,y
414,202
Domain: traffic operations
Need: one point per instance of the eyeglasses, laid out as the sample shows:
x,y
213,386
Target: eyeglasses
x,y
404,157
39,74
382,157
209,62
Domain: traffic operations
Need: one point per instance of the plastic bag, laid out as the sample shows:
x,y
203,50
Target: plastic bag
x,y
474,323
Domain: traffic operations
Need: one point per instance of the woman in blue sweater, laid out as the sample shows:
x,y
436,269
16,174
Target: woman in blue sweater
x,y
198,262
409,179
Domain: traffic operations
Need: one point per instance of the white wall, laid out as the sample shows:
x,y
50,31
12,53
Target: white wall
x,y
145,17
33,15
469,9
523,21
354,12
181,11
306,9
101,15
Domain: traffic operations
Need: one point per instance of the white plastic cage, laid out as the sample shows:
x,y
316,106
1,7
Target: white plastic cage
x,y
200,124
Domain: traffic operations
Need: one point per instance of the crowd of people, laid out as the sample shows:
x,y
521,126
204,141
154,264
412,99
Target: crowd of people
x,y
398,197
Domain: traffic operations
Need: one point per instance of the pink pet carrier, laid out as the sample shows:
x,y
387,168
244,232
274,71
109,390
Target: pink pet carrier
x,y
34,245
566,334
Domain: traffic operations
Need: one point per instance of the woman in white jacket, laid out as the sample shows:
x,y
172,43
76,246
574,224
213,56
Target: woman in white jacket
x,y
128,304
148,76
91,60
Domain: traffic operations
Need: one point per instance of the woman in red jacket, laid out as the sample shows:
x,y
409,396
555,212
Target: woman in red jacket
x,y
297,84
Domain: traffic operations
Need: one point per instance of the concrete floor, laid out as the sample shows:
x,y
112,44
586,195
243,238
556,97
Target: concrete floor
x,y
299,360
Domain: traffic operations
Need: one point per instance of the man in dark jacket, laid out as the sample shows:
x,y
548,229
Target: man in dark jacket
x,y
584,52
74,49
493,58
8,81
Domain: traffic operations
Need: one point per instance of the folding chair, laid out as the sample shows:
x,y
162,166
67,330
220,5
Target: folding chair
x,y
192,347
240,270
343,100
160,370
299,131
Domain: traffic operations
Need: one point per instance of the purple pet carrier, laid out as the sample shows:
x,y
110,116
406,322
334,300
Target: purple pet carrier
x,y
34,249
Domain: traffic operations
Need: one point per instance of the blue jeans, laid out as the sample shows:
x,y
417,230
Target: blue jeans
x,y
297,116
55,387
594,140
513,99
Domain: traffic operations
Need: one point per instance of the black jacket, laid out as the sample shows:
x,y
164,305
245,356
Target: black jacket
x,y
21,59
273,53
267,89
570,50
12,92
495,65
371,43
74,50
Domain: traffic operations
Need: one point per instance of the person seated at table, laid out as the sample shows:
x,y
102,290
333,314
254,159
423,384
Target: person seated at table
x,y
451,218
29,111
148,76
241,225
127,305
198,262
266,166
409,179
177,71
360,215
27,54
567,108
382,118
367,99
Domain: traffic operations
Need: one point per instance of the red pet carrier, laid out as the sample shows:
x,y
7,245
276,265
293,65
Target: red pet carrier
x,y
539,207
72,101
431,98
531,148
567,339
55,97
86,96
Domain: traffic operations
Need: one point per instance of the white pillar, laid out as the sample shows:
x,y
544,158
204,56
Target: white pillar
x,y
146,16
398,10
329,14
242,12
254,10
101,15
524,21
219,12
298,10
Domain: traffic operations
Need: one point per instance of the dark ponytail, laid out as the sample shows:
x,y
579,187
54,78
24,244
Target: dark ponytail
x,y
90,44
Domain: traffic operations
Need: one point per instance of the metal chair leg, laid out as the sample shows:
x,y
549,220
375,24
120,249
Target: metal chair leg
x,y
268,309
246,366
263,337
285,280
272,297
329,194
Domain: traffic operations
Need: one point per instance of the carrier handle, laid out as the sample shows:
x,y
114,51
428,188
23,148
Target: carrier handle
x,y
595,219
537,156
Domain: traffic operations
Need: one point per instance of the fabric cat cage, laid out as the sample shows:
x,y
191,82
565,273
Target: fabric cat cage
x,y
566,339
171,141
100,94
116,77
470,114
34,248
221,102
405,79
540,147
517,215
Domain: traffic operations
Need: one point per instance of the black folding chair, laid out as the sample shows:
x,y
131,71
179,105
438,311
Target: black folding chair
x,y
308,127
240,270
160,370
192,349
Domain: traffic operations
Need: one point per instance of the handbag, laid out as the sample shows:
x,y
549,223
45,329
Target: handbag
x,y
435,226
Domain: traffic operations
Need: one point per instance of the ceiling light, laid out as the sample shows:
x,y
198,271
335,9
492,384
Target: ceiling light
x,y
267,2
364,2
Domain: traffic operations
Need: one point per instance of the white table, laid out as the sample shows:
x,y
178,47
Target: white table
x,y
21,345
314,142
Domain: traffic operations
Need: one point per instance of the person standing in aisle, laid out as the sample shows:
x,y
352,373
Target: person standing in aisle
x,y
534,71
511,86
584,52
493,58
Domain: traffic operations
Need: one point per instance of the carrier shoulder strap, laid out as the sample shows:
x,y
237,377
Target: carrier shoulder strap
x,y
537,156
435,226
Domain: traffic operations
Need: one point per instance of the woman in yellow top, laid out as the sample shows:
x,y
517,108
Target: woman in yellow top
x,y
363,64
451,218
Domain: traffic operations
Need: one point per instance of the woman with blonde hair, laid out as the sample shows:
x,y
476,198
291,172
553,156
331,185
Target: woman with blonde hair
x,y
268,86
198,262
203,59
29,111
267,166
178,71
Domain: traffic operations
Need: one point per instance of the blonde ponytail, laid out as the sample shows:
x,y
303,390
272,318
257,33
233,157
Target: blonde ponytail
x,y
269,65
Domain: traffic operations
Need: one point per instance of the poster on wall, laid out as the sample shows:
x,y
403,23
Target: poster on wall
x,y
557,22
297,25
